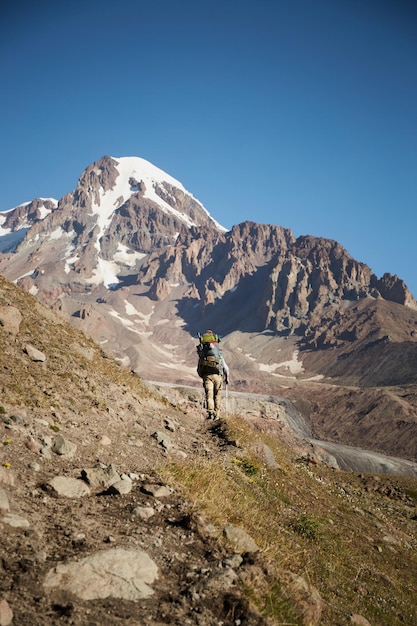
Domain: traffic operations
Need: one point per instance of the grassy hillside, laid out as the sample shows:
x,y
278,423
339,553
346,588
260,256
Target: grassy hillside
x,y
334,548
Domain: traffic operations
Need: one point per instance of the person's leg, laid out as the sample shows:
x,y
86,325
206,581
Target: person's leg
x,y
209,389
217,394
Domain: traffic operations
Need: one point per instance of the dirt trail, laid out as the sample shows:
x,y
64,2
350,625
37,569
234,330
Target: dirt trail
x,y
348,458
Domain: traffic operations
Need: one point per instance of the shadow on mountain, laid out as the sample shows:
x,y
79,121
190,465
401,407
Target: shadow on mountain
x,y
126,281
379,364
236,310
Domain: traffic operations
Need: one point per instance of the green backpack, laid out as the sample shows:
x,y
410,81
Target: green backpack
x,y
209,356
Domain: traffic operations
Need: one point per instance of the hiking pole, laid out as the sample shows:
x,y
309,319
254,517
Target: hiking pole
x,y
227,408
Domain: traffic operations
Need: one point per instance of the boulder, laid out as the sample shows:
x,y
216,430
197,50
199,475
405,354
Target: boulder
x,y
239,538
16,521
67,487
6,613
100,475
34,353
114,573
10,318
64,447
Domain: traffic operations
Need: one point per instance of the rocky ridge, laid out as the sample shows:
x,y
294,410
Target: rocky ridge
x,y
130,228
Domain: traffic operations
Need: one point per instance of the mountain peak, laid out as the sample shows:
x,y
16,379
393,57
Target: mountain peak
x,y
122,178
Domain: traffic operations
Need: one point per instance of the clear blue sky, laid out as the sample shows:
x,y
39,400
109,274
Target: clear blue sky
x,y
300,113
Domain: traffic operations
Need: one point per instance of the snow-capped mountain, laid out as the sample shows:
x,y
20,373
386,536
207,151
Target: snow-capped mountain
x,y
114,201
136,261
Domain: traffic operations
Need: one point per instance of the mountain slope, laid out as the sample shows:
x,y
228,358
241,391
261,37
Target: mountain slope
x,y
332,547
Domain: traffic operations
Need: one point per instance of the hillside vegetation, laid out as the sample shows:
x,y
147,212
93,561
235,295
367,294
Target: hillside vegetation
x,y
243,530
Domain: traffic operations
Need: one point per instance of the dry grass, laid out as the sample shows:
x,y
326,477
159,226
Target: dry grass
x,y
68,374
358,548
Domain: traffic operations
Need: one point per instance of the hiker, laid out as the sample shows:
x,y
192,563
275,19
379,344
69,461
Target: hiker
x,y
213,369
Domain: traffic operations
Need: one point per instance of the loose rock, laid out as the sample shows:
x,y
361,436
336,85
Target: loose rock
x,y
100,475
64,447
169,425
121,487
157,491
17,521
6,613
115,573
10,318
144,512
34,354
307,598
163,439
240,539
67,487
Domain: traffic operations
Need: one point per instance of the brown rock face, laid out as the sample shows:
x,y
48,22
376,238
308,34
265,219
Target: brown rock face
x,y
299,283
160,289
314,275
394,289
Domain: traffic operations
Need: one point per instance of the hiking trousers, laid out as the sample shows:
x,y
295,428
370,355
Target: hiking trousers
x,y
212,386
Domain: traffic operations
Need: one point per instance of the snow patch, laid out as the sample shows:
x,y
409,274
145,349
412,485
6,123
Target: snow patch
x,y
130,309
69,262
143,333
153,177
146,318
121,319
44,212
132,325
127,256
163,352
57,234
29,273
104,272
294,366
162,322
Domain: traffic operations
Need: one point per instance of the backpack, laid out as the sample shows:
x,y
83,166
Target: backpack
x,y
209,337
209,355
